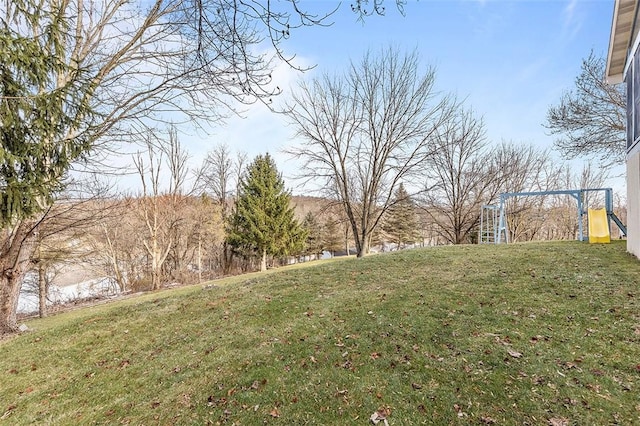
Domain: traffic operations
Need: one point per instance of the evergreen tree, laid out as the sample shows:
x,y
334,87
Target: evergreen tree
x,y
314,243
43,111
40,135
332,237
401,224
263,221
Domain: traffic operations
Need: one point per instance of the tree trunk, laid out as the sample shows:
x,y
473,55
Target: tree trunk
x,y
227,258
199,258
263,262
362,241
363,247
42,291
18,245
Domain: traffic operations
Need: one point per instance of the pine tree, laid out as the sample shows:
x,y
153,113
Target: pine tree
x,y
332,238
401,223
40,133
263,222
313,244
43,111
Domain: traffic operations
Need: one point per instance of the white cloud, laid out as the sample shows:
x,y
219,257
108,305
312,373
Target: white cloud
x,y
258,129
572,20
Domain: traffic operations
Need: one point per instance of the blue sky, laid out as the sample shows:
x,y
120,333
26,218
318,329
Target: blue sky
x,y
510,60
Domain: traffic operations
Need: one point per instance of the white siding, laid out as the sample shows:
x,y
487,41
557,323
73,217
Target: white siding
x,y
633,203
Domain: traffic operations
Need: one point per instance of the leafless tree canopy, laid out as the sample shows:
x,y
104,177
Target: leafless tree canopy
x,y
366,130
590,120
462,174
220,174
219,177
525,168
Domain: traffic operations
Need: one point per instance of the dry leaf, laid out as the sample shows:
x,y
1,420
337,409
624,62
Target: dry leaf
x,y
381,416
558,421
514,354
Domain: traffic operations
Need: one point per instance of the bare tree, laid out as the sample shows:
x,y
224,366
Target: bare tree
x,y
366,131
215,175
188,228
61,233
525,168
462,174
118,244
158,239
590,120
220,176
176,224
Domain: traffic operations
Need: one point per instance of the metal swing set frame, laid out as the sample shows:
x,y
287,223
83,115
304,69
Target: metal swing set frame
x,y
493,220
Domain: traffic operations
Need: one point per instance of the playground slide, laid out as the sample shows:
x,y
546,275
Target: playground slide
x,y
598,226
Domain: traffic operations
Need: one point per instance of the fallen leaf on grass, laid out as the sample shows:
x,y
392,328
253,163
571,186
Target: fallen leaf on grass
x,y
257,384
537,338
558,421
8,412
274,413
185,400
514,354
381,416
458,410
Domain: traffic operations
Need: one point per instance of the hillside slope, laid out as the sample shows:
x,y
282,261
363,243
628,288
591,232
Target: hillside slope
x,y
540,333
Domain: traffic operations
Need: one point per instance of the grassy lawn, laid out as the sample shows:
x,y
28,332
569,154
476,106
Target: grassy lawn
x,y
544,333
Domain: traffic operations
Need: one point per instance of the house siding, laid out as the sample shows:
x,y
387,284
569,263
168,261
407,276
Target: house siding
x,y
623,64
632,79
633,203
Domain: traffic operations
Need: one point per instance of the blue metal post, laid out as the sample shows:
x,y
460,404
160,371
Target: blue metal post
x,y
580,215
502,226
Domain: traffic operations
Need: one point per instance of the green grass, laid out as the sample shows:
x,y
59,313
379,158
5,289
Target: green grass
x,y
544,333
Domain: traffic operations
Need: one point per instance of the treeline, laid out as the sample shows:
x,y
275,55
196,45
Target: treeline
x,y
81,94
396,164
170,234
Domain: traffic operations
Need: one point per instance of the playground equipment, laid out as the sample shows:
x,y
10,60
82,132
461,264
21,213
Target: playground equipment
x,y
598,226
493,222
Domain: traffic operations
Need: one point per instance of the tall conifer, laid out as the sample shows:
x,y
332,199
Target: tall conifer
x,y
263,221
401,221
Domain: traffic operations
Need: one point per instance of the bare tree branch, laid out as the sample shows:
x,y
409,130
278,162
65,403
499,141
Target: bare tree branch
x,y
590,120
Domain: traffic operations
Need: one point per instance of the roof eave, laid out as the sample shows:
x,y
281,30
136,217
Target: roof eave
x,y
619,42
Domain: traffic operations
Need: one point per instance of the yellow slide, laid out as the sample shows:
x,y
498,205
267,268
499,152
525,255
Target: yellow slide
x,y
598,226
